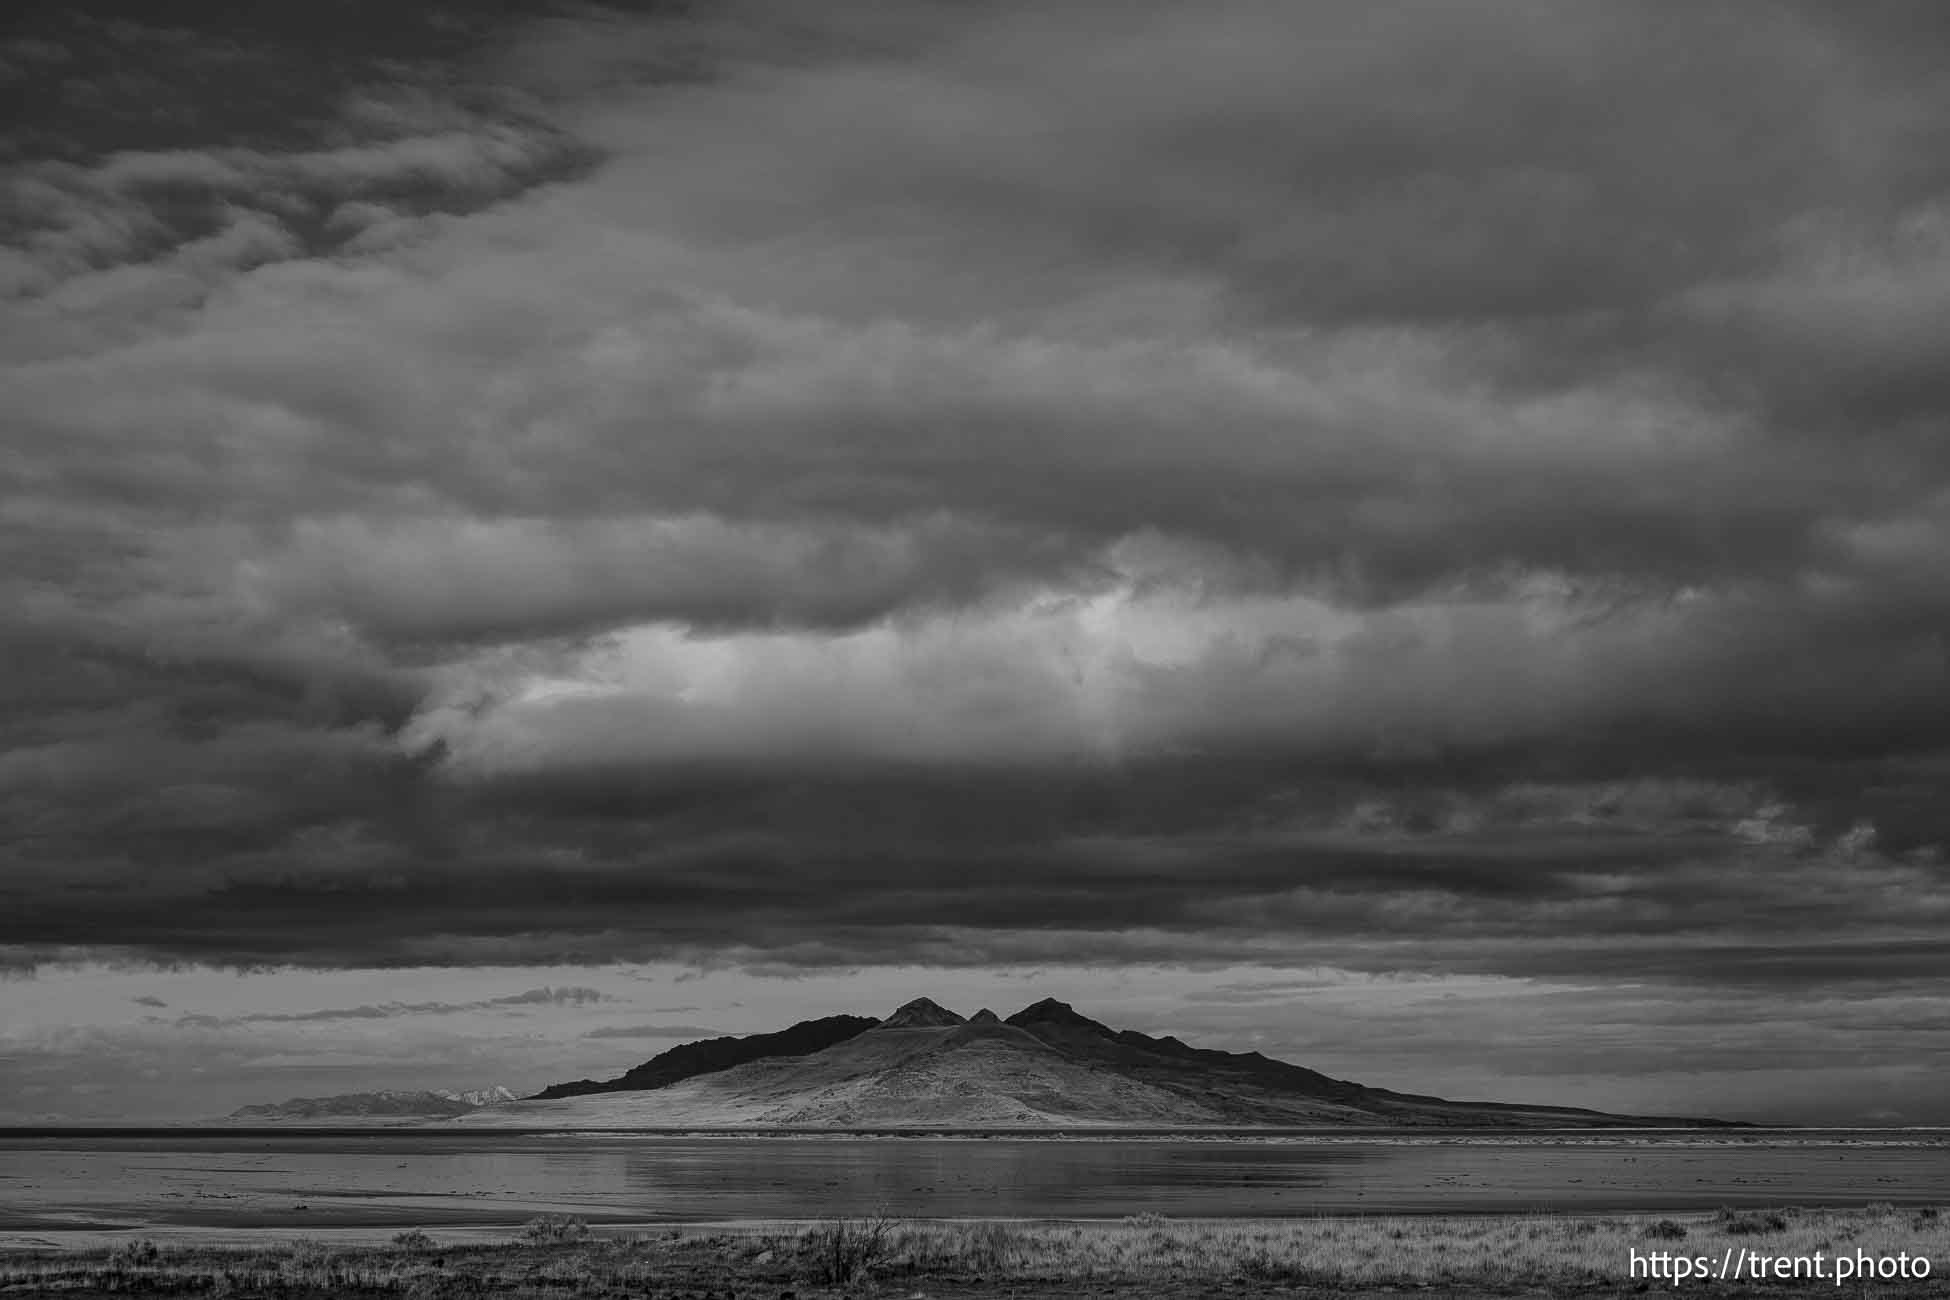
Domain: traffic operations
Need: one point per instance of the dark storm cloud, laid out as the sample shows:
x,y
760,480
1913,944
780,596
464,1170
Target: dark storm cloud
x,y
1414,486
525,579
1689,886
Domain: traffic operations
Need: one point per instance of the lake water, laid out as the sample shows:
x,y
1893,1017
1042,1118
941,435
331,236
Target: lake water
x,y
233,1180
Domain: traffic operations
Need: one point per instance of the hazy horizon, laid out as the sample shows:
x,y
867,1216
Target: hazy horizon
x,y
1406,536
602,1026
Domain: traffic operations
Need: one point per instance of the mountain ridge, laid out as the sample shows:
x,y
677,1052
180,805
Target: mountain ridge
x,y
709,1055
1047,1066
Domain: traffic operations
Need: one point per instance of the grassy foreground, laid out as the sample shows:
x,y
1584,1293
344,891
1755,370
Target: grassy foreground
x,y
1153,1257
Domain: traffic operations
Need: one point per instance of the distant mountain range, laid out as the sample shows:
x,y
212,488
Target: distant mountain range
x,y
1045,1066
387,1104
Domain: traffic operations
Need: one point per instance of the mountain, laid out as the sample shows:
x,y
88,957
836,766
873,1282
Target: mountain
x,y
710,1055
1046,1066
386,1104
922,1013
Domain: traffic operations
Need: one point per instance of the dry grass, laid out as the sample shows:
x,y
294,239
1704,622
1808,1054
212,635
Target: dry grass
x,y
1490,1251
417,1266
1147,1256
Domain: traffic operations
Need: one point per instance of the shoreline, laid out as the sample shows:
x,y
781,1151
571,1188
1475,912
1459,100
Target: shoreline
x,y
1729,1134
506,1229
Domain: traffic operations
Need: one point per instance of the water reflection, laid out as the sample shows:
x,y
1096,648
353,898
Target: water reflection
x,y
955,1179
370,1179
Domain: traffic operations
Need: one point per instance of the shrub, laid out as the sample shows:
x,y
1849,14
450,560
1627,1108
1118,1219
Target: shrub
x,y
553,1229
1737,1223
1665,1230
412,1239
846,1251
136,1252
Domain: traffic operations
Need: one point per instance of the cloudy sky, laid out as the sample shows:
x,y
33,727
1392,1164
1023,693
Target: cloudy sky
x,y
1410,535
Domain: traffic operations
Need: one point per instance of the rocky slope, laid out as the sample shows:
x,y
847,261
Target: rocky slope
x,y
710,1055
1045,1066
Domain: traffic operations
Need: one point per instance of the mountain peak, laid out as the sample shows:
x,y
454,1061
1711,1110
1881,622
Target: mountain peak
x,y
985,1017
922,1013
1052,1012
